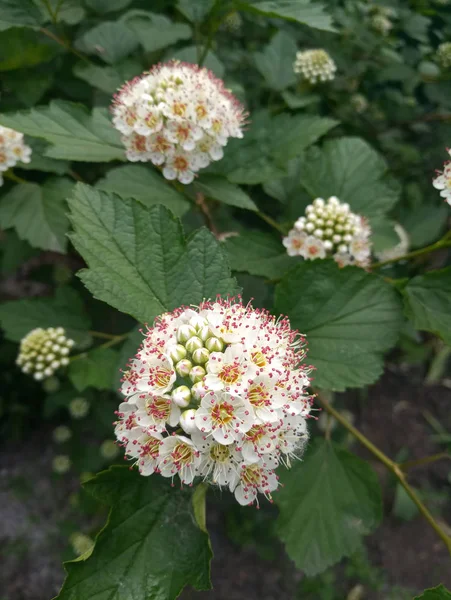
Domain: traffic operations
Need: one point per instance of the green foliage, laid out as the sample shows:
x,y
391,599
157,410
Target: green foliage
x,y
275,63
218,188
437,593
150,547
24,48
427,302
110,41
152,270
154,31
348,316
94,369
302,11
19,14
328,502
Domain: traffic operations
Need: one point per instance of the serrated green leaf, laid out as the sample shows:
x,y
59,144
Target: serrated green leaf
x,y
74,133
138,259
258,253
195,11
150,548
96,369
218,188
111,41
350,318
302,11
354,172
65,309
145,185
21,48
275,63
39,162
328,502
190,54
106,6
66,11
427,302
155,31
437,593
108,79
38,213
15,13
29,85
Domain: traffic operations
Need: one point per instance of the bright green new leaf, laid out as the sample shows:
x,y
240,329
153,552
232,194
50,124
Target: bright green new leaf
x,y
20,48
38,213
108,79
427,302
218,188
23,13
275,63
73,132
352,170
96,369
437,593
154,31
150,547
350,318
111,41
303,11
144,184
327,503
139,261
65,309
258,253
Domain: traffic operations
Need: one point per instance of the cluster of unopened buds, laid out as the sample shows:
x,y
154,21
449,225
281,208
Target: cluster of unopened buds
x,y
217,392
315,66
444,55
330,229
178,116
443,181
12,150
44,351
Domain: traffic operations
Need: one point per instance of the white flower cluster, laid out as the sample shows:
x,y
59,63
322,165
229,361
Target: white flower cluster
x,y
12,150
443,181
178,116
330,229
43,351
444,55
217,392
315,65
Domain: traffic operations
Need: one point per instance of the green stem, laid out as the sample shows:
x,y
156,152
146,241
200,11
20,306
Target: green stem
x,y
426,460
272,222
391,465
10,175
445,242
115,339
211,34
101,334
64,44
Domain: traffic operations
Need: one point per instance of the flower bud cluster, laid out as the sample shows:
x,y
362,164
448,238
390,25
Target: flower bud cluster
x,y
444,55
330,229
315,66
178,116
12,149
43,351
443,181
217,392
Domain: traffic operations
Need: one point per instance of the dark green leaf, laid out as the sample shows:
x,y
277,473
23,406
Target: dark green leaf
x,y
218,188
328,502
275,63
96,369
66,11
302,11
38,213
105,6
14,252
425,223
189,54
65,309
139,261
154,31
349,316
351,170
427,302
111,41
150,548
21,48
258,253
195,11
144,184
29,85
437,593
19,13
74,133
108,79
39,162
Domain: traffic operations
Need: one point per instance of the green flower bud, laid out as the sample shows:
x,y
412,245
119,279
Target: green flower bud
x,y
204,333
193,343
177,353
61,434
214,344
185,332
61,464
184,367
109,449
181,396
201,356
198,390
197,374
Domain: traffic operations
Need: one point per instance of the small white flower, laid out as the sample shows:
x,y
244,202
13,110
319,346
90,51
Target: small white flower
x,y
227,370
294,242
12,149
224,415
443,181
255,478
178,455
313,248
154,412
219,463
315,66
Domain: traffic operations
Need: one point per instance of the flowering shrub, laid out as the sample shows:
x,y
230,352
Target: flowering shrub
x,y
218,219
